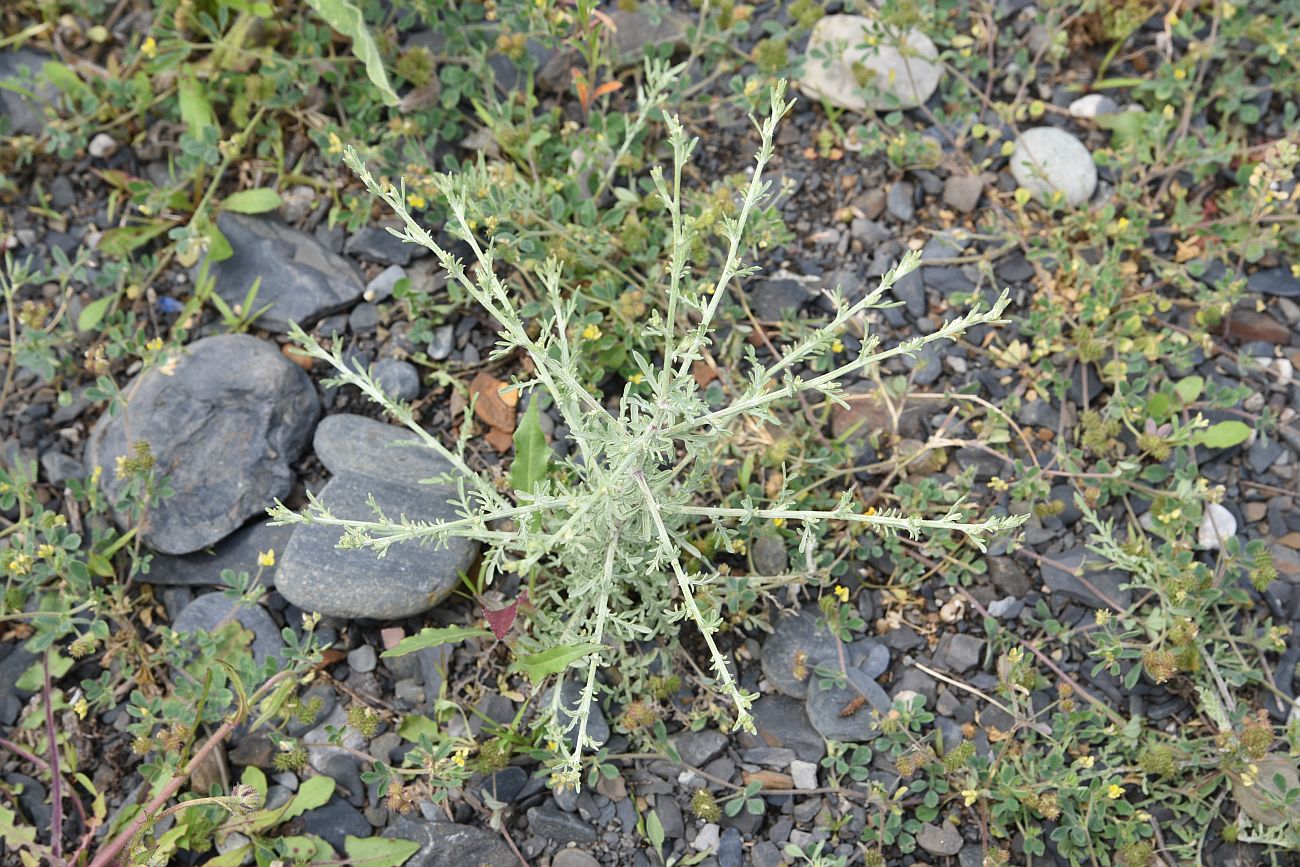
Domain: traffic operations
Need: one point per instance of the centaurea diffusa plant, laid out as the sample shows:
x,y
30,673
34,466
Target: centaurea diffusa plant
x,y
603,542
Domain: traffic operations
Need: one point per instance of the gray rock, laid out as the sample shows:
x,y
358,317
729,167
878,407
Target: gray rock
x,y
336,821
224,423
927,366
697,749
844,713
730,849
910,289
782,722
1007,608
649,24
770,555
774,300
399,379
506,784
444,340
797,644
962,192
369,458
237,552
941,839
1047,160
899,201
302,280
363,659
27,92
1275,281
209,611
958,652
364,318
377,244
670,817
573,858
765,853
1082,561
381,287
869,656
838,49
59,468
555,824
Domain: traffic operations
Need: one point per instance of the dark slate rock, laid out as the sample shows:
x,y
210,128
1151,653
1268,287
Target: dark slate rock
x,y
399,379
770,555
869,656
942,839
927,365
224,425
32,800
827,709
697,749
1275,281
730,849
773,300
59,468
506,784
782,721
211,610
649,24
554,824
910,289
963,192
1013,268
335,821
958,652
795,638
899,201
379,245
369,458
1080,560
364,318
27,92
570,699
237,552
302,280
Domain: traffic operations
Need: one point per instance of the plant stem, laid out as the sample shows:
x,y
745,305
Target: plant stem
x,y
56,779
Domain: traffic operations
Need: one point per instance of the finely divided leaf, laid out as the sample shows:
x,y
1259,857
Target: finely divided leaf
x,y
542,665
432,637
348,20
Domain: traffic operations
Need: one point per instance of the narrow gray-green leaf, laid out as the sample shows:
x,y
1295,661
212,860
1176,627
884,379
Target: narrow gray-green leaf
x,y
347,19
542,665
431,637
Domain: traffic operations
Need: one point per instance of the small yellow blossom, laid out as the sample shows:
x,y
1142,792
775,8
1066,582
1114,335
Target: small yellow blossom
x,y
841,593
1180,73
81,707
1168,112
837,346
969,796
778,522
45,552
1085,761
458,758
266,559
415,200
636,378
1102,616
552,747
591,332
154,345
20,565
149,48
335,144
1115,791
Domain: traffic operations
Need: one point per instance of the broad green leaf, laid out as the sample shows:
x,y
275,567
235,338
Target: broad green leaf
x,y
378,851
311,794
256,201
1225,434
540,666
122,240
1189,388
347,19
304,849
253,776
64,78
93,313
231,858
196,111
532,454
33,678
413,725
432,637
654,830
1159,405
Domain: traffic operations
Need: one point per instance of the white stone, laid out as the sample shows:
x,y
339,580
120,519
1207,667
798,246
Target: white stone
x,y
1048,160
1217,526
707,839
804,774
102,146
1092,105
838,45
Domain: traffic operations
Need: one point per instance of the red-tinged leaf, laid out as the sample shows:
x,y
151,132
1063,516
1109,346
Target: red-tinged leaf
x,y
607,87
501,619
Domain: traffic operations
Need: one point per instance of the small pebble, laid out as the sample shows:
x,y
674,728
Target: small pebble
x,y
363,659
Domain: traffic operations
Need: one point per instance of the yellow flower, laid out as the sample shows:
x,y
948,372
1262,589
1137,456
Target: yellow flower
x,y
81,707
591,332
1115,791
636,378
45,552
778,522
335,144
415,200
1085,761
552,747
1180,73
969,796
149,48
154,345
837,346
1102,616
266,559
841,593
459,758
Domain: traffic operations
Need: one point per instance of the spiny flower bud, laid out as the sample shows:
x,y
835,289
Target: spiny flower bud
x,y
246,798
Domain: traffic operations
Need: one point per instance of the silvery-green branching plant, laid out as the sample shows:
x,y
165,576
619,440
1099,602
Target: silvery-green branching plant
x,y
603,540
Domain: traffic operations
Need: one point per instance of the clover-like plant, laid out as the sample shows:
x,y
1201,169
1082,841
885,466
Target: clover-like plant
x,y
604,540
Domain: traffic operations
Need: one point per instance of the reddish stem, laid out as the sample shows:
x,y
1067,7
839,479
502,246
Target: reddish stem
x,y
56,779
